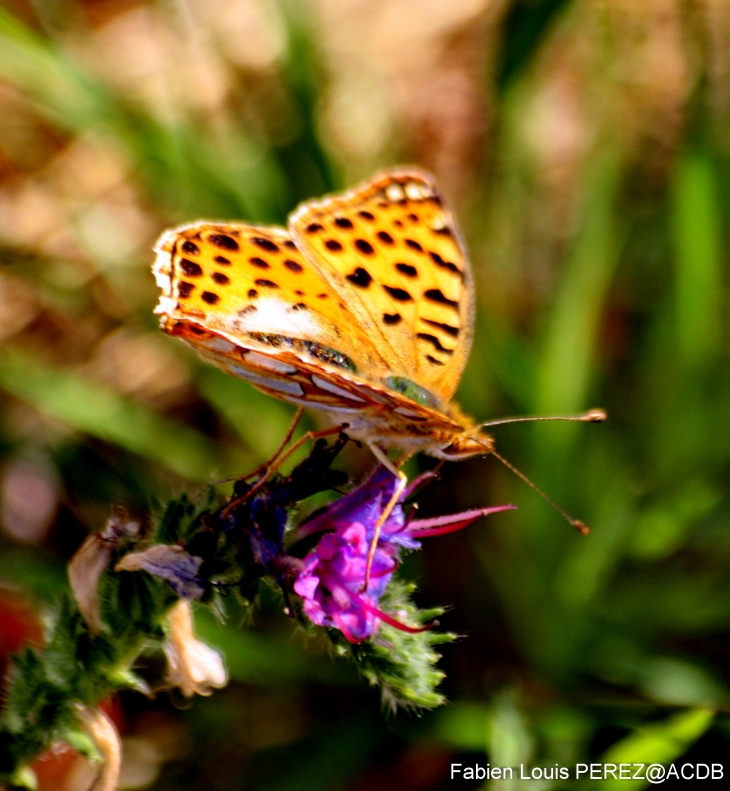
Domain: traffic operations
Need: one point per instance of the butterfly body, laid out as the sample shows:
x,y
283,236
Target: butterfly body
x,y
362,308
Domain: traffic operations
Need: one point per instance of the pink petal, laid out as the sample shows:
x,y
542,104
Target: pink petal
x,y
440,525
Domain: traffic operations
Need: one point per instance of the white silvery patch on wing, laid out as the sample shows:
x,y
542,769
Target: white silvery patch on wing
x,y
338,391
271,363
280,385
336,408
401,410
274,315
217,344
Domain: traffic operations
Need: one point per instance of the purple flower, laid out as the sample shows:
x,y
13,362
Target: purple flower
x,y
331,582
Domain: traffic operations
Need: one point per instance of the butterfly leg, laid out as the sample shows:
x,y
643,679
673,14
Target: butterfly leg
x,y
279,450
272,458
272,466
400,486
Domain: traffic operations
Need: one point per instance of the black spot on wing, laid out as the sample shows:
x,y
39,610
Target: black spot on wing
x,y
433,360
414,245
289,244
184,290
447,328
221,259
434,341
360,277
266,283
190,247
190,268
247,310
265,244
223,241
407,270
366,215
448,265
221,279
210,297
437,296
343,222
385,237
293,266
252,293
259,262
364,246
399,294
333,245
392,318
314,227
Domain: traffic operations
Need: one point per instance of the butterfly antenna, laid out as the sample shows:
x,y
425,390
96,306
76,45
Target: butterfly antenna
x,y
581,527
592,416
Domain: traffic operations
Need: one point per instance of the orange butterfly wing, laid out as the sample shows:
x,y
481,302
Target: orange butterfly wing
x,y
249,301
391,250
251,284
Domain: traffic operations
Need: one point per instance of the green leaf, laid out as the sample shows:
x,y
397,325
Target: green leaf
x,y
696,225
572,331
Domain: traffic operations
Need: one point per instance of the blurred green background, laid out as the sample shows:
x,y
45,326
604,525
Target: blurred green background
x,y
585,148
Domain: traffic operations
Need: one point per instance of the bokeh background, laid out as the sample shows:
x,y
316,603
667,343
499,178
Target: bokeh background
x,y
585,147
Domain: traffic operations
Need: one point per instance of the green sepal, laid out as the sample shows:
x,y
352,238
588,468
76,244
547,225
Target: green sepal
x,y
82,743
24,777
402,664
123,678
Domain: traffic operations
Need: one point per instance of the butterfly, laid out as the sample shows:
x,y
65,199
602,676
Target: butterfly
x,y
363,307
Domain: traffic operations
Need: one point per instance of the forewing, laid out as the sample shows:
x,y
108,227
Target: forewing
x,y
391,250
252,286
